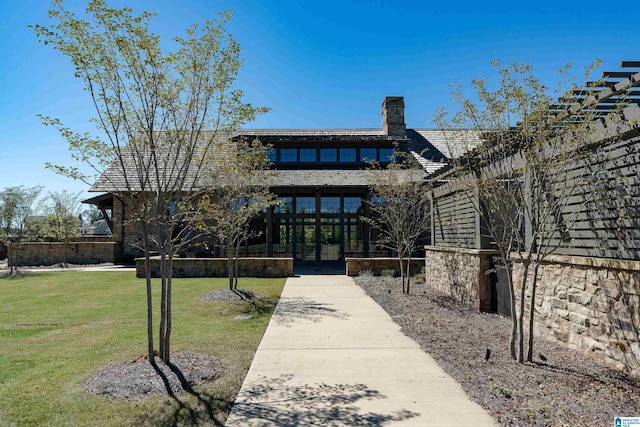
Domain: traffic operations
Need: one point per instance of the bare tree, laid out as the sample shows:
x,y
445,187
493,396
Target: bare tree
x,y
238,194
531,172
159,116
399,206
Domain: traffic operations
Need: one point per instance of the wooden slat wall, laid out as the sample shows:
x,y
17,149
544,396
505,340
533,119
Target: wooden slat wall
x,y
454,220
604,215
602,208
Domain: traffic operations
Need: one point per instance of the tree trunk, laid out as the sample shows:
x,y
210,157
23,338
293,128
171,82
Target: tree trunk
x,y
163,302
64,253
236,265
16,258
523,285
401,262
532,307
230,265
514,321
167,332
409,274
147,273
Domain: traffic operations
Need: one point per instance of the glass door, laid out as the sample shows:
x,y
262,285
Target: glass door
x,y
330,239
306,239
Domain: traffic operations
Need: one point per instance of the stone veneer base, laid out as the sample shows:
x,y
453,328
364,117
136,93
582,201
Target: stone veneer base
x,y
589,304
460,273
217,267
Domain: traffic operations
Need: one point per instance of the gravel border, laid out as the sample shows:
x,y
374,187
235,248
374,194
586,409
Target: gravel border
x,y
570,388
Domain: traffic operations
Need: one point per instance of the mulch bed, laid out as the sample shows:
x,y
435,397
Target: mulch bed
x,y
570,388
138,379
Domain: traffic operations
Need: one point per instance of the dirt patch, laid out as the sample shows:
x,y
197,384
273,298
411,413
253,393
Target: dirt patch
x,y
228,295
569,388
138,379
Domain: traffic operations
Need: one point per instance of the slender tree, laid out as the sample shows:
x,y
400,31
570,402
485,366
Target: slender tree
x,y
520,158
16,206
238,194
158,116
62,221
399,207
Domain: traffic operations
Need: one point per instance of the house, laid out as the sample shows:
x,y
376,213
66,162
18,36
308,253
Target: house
x,y
322,183
96,228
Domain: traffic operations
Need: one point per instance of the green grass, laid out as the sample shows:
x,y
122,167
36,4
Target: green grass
x,y
59,328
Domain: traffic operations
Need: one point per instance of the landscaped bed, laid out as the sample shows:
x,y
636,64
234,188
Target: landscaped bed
x,y
568,389
72,349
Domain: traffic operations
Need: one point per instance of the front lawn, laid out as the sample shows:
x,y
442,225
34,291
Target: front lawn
x,y
57,329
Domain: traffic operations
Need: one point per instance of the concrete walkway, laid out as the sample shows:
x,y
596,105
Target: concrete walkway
x,y
332,357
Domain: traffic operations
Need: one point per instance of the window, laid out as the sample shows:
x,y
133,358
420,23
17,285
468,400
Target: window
x,y
368,154
308,155
348,155
271,153
387,155
284,205
288,155
306,205
330,205
352,204
329,155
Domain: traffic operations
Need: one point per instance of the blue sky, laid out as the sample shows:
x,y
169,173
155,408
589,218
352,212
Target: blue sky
x,y
319,64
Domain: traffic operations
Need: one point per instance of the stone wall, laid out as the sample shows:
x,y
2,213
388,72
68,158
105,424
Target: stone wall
x,y
376,265
590,304
460,273
48,253
217,267
126,232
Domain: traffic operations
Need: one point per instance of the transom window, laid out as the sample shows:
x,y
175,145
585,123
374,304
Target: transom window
x,y
288,155
347,155
368,154
329,155
308,155
284,205
306,205
352,204
330,205
332,155
387,155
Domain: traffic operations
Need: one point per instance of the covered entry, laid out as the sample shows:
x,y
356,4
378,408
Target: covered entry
x,y
317,227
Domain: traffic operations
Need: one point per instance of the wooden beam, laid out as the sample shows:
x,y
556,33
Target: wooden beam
x,y
617,74
629,64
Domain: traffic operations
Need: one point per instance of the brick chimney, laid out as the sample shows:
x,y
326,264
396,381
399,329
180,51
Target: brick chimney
x,y
393,116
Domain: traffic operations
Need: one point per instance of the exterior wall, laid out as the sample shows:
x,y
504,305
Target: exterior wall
x,y
3,250
590,304
455,219
217,267
126,232
49,253
461,273
376,265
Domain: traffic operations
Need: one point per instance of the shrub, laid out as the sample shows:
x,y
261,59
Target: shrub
x,y
365,273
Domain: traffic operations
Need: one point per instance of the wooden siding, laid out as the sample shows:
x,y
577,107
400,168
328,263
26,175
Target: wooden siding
x,y
603,209
454,220
597,200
